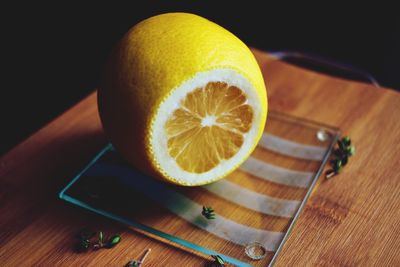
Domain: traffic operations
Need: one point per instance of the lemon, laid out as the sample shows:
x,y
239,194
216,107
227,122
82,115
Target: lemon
x,y
182,99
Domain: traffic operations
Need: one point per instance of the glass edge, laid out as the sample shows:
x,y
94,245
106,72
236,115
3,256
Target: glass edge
x,y
303,121
93,161
62,195
307,196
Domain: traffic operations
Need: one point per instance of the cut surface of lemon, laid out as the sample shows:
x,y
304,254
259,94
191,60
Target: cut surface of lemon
x,y
183,99
206,127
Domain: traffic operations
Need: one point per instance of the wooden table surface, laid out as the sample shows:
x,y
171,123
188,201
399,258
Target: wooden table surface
x,y
350,220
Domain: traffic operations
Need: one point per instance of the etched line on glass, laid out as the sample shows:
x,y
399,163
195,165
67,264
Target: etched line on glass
x,y
292,149
269,172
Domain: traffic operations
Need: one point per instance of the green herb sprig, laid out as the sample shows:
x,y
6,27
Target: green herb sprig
x,y
341,156
208,213
86,240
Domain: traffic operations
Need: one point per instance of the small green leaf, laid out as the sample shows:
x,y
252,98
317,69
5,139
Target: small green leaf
x,y
346,141
114,240
218,261
337,164
350,150
132,264
341,145
339,169
101,237
345,159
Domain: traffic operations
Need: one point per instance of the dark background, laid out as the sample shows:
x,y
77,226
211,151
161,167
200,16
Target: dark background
x,y
52,54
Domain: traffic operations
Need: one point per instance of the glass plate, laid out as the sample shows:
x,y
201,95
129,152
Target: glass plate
x,y
255,207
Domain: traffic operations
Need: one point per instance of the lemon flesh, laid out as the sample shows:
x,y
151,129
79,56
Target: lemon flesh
x,y
208,127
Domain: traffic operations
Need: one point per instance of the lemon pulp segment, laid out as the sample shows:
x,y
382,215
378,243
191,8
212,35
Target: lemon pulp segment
x,y
208,127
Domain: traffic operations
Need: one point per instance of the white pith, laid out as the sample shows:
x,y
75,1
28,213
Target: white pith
x,y
159,138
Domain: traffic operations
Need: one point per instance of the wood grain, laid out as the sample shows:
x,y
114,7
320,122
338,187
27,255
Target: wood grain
x,y
351,220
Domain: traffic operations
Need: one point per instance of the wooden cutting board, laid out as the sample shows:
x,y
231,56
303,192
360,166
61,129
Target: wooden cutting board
x,y
349,220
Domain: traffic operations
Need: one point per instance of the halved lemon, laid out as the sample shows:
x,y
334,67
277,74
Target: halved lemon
x,y
183,99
